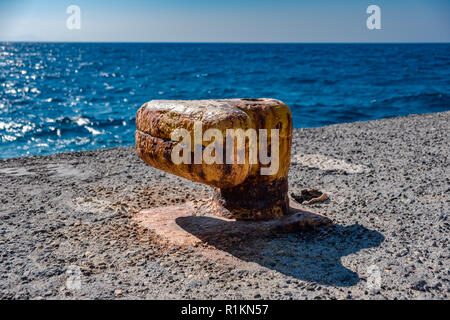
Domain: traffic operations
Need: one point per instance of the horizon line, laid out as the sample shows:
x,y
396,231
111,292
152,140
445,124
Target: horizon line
x,y
230,42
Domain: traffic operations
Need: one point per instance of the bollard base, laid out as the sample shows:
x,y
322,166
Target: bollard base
x,y
179,225
253,201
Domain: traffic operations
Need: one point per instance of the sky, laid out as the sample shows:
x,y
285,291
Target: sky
x,y
225,21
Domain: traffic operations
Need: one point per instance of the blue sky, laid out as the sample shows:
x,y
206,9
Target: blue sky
x,y
225,21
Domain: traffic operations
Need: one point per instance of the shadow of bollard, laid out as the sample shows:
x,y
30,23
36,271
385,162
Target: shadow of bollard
x,y
313,256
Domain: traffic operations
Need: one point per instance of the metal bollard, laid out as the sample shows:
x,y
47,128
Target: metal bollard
x,y
251,184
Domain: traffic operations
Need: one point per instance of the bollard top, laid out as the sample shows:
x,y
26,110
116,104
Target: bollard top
x,y
160,117
157,120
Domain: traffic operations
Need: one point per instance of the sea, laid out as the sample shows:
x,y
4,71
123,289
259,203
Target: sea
x,y
59,97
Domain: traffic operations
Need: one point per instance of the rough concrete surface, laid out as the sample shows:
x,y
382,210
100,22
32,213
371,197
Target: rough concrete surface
x,y
67,228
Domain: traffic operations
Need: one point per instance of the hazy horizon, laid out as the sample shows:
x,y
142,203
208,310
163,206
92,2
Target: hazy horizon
x,y
233,21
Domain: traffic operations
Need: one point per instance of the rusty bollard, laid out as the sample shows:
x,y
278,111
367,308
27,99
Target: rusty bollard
x,y
252,187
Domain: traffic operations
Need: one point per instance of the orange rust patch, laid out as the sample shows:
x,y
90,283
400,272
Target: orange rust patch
x,y
179,225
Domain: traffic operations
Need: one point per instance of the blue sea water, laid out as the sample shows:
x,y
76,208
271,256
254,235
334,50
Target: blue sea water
x,y
57,97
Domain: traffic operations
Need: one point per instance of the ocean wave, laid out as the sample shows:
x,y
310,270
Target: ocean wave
x,y
430,99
